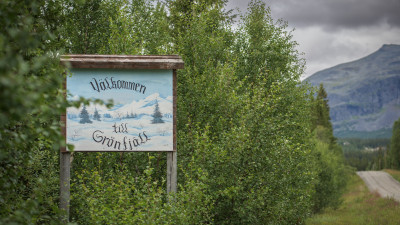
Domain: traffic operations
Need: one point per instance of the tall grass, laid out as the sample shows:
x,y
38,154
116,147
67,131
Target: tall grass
x,y
359,206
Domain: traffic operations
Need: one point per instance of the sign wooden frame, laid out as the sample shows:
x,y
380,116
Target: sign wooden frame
x,y
112,63
120,62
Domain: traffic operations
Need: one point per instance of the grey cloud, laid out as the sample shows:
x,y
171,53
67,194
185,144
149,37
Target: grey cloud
x,y
331,13
331,32
337,13
238,4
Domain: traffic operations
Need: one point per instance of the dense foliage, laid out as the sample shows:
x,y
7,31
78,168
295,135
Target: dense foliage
x,y
395,146
394,153
31,102
332,171
246,150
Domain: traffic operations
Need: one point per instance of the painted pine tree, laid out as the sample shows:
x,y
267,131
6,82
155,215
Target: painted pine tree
x,y
157,115
84,115
133,115
96,115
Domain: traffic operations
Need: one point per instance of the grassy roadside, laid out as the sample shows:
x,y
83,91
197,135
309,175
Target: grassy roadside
x,y
361,207
395,173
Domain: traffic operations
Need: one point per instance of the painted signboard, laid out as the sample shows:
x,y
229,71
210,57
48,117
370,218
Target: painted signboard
x,y
142,116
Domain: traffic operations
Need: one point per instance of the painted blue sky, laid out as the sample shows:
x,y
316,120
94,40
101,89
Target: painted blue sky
x,y
156,81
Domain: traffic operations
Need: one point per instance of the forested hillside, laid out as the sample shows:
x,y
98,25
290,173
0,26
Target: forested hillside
x,y
373,154
254,145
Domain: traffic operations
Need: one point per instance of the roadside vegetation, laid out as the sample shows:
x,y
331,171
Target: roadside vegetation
x,y
394,173
254,144
332,170
359,207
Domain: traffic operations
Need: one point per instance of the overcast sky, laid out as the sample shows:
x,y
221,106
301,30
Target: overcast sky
x,y
331,32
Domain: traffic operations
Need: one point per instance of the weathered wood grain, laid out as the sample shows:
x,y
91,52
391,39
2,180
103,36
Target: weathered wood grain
x,y
123,61
171,171
65,177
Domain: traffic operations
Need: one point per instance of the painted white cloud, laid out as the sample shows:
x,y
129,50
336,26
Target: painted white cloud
x,y
73,98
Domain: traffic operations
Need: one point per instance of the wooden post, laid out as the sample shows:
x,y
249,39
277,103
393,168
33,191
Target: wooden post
x,y
65,176
172,156
171,172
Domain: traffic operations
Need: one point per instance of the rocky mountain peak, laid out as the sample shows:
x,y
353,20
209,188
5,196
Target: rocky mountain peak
x,y
364,95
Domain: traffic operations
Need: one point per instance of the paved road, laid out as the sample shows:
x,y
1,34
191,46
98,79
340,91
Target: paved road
x,y
381,182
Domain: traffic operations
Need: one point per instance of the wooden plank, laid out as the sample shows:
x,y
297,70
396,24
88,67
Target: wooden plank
x,y
174,102
123,61
123,56
171,172
65,176
174,182
147,150
63,119
172,156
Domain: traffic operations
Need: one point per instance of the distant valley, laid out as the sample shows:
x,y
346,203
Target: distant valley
x,y
364,95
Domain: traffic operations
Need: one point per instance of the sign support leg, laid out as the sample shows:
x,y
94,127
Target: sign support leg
x,y
171,172
65,176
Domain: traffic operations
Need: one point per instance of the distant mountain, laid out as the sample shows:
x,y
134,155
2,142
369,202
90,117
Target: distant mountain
x,y
364,95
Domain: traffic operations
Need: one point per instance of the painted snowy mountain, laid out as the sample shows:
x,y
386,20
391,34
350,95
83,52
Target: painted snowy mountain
x,y
138,108
146,106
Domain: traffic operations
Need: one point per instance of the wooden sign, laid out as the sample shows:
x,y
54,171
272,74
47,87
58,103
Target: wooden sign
x,y
143,118
143,89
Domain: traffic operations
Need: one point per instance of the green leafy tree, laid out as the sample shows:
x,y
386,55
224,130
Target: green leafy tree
x,y
87,25
31,101
237,115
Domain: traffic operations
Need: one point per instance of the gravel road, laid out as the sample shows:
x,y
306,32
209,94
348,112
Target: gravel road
x,y
382,183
